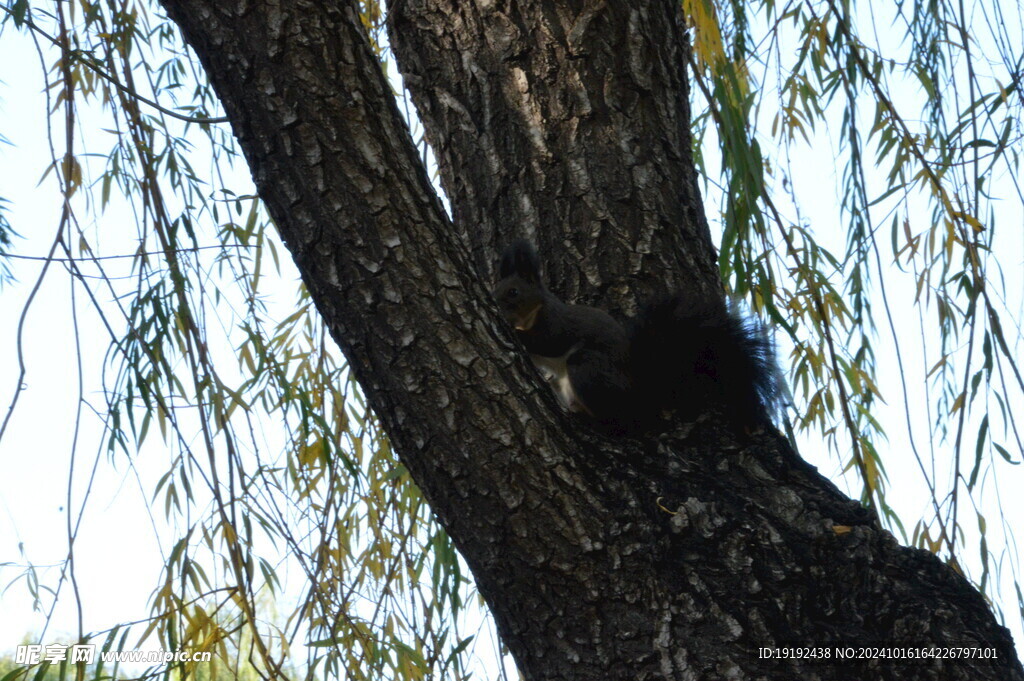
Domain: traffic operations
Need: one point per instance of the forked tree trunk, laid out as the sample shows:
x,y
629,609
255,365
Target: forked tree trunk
x,y
676,556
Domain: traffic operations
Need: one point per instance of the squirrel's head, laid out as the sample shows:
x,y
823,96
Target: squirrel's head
x,y
520,292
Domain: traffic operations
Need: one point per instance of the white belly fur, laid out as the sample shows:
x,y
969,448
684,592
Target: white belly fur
x,y
556,372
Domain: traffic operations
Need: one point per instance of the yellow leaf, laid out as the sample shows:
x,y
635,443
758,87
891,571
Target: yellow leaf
x,y
971,220
707,35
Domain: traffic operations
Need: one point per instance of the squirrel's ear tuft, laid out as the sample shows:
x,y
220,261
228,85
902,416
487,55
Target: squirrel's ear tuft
x,y
520,258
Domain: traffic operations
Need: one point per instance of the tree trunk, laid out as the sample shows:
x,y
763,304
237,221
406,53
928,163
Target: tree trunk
x,y
674,556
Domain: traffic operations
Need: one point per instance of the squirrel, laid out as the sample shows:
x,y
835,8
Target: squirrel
x,y
679,354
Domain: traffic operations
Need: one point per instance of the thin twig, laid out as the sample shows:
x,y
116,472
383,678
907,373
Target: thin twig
x,y
80,58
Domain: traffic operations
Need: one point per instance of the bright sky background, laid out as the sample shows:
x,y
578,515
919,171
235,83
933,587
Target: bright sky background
x,y
120,559
118,555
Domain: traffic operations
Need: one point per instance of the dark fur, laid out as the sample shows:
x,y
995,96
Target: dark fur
x,y
679,354
688,356
520,258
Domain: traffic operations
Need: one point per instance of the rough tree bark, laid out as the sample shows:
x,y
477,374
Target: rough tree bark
x,y
675,556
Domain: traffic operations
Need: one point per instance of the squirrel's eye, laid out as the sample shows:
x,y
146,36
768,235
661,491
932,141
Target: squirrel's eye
x,y
513,292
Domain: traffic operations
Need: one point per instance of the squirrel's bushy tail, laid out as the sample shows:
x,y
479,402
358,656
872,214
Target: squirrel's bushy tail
x,y
687,355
